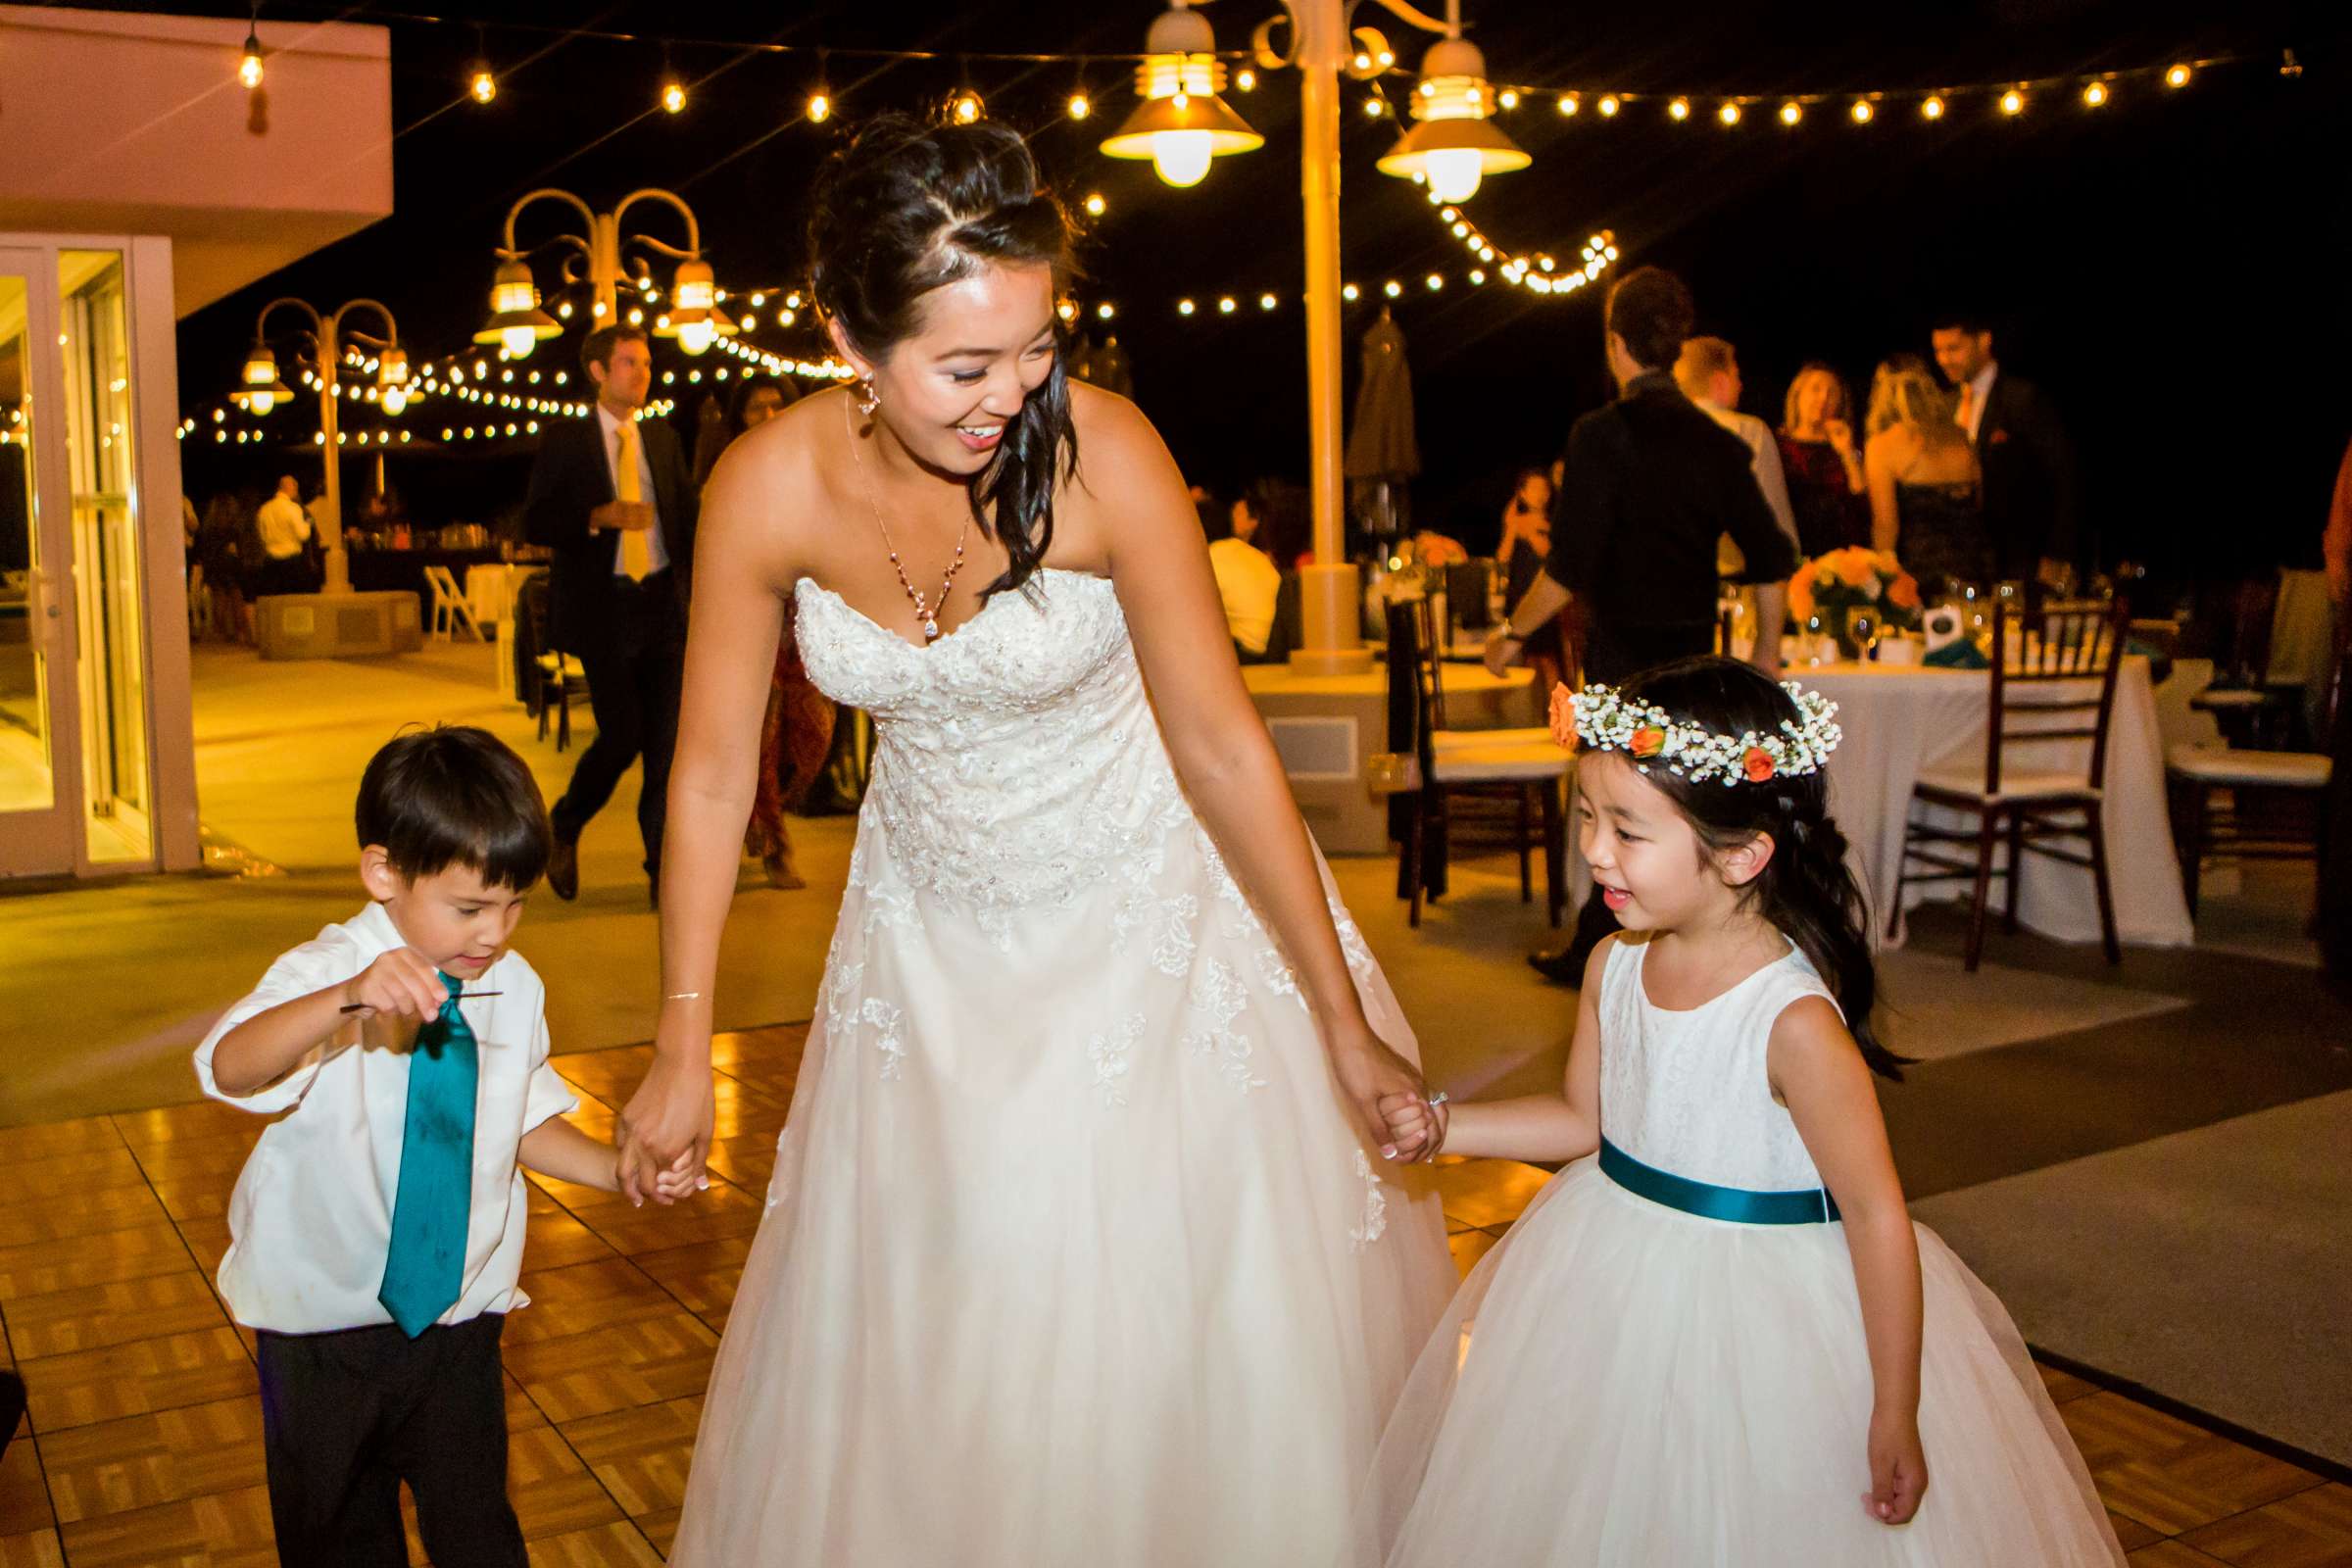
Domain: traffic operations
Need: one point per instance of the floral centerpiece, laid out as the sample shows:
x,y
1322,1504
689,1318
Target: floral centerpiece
x,y
1841,585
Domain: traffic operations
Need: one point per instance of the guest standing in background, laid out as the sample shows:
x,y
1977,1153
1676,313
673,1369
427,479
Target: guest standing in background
x,y
797,731
1526,545
1247,581
285,529
613,495
2027,462
220,552
1708,372
1651,484
1828,489
1924,493
2335,866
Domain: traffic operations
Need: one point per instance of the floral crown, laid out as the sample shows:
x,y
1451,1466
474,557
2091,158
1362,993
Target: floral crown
x,y
1603,719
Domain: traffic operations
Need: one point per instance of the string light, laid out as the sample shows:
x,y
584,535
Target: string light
x,y
1792,111
1080,105
966,108
1436,281
1609,106
1729,114
1933,109
1569,103
1244,80
2176,76
820,106
1105,311
1862,112
483,86
674,95
2013,102
1392,289
1185,307
248,65
1374,106
2094,95
1267,302
1226,306
1680,109
1095,204
1350,293
1508,98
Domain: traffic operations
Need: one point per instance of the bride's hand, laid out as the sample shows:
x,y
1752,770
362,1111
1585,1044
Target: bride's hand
x,y
670,1116
1370,1072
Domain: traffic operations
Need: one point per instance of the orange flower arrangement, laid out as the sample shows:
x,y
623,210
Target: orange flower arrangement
x,y
1854,578
1647,741
1756,765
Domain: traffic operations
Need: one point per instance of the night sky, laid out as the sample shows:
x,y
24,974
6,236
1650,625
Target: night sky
x,y
2171,267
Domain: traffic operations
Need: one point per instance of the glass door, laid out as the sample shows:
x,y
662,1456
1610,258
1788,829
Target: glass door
x,y
39,808
109,577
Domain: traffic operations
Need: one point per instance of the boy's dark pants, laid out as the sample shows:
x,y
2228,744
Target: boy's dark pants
x,y
348,1416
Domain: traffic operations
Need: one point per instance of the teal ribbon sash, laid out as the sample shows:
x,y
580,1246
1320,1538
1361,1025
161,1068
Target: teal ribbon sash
x,y
1809,1205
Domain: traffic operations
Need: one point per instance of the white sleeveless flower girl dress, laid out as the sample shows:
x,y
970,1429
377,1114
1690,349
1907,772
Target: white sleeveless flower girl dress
x,y
1663,1364
1074,1256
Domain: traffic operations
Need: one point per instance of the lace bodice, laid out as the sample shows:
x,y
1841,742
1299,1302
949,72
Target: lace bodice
x,y
1016,759
1687,1090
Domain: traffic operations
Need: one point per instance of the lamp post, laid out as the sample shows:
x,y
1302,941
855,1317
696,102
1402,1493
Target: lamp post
x,y
1179,82
260,390
518,324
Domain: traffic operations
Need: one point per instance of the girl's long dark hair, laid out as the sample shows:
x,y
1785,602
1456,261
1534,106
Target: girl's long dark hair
x,y
904,208
1807,891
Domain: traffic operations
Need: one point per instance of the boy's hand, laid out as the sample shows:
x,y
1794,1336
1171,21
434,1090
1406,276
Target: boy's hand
x,y
399,984
680,1179
1414,1123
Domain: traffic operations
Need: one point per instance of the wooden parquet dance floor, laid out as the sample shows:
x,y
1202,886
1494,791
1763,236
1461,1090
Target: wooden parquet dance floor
x,y
143,1445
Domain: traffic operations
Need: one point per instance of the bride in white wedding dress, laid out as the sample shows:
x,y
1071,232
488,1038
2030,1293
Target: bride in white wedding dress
x,y
1083,1248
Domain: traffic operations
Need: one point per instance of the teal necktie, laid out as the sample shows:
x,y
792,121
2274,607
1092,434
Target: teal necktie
x,y
426,1262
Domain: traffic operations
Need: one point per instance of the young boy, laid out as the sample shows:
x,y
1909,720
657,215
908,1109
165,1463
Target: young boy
x,y
377,1230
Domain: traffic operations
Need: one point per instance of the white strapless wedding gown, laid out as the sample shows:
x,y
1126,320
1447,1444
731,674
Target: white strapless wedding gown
x,y
1073,1256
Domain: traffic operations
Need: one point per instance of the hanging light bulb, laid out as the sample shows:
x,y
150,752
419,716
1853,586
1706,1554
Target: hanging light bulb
x,y
1792,111
482,83
248,65
1933,109
1862,112
1080,105
2176,76
1610,105
2013,102
1729,114
2094,95
1096,205
820,106
517,323
674,95
392,379
1570,103
1182,124
1680,109
966,108
1455,147
1244,80
260,390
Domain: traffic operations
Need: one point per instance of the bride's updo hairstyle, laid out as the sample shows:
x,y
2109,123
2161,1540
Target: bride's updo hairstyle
x,y
1806,890
905,207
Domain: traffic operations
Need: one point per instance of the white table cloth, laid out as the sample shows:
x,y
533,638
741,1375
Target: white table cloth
x,y
1899,720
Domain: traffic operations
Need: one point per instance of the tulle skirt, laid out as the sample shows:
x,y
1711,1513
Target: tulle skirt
x,y
1074,1256
1619,1383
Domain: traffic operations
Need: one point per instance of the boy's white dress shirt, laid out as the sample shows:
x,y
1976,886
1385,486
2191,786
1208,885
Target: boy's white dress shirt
x,y
310,1220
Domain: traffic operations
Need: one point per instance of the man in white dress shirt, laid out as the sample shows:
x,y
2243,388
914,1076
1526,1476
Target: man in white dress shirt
x,y
377,1230
285,525
1708,372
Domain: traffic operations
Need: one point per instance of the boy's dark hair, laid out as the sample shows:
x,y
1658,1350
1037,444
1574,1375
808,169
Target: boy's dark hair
x,y
1962,319
597,348
454,795
1652,309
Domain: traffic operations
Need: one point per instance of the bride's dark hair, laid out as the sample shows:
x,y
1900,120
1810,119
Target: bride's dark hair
x,y
904,208
1806,889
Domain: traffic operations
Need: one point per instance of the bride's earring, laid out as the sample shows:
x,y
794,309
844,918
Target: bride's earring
x,y
869,398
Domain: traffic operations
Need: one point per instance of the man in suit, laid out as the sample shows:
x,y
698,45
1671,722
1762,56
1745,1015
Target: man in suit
x,y
2029,463
1651,484
613,498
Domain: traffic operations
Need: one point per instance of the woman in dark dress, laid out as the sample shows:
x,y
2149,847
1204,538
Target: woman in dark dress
x,y
1926,488
1826,485
220,550
1525,546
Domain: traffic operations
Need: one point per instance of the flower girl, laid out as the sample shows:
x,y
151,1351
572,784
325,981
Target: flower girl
x,y
1722,1341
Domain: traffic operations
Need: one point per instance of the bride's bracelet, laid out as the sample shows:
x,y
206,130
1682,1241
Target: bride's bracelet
x,y
684,995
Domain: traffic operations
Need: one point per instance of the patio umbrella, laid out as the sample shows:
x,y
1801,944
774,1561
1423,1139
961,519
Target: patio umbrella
x,y
1381,453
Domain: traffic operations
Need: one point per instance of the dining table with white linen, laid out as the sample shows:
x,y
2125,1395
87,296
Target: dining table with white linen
x,y
1903,719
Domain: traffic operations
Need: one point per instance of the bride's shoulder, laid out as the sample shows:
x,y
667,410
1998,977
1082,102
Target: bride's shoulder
x,y
1113,436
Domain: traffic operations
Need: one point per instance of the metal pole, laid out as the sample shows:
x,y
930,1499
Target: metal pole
x,y
603,267
1331,641
331,353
